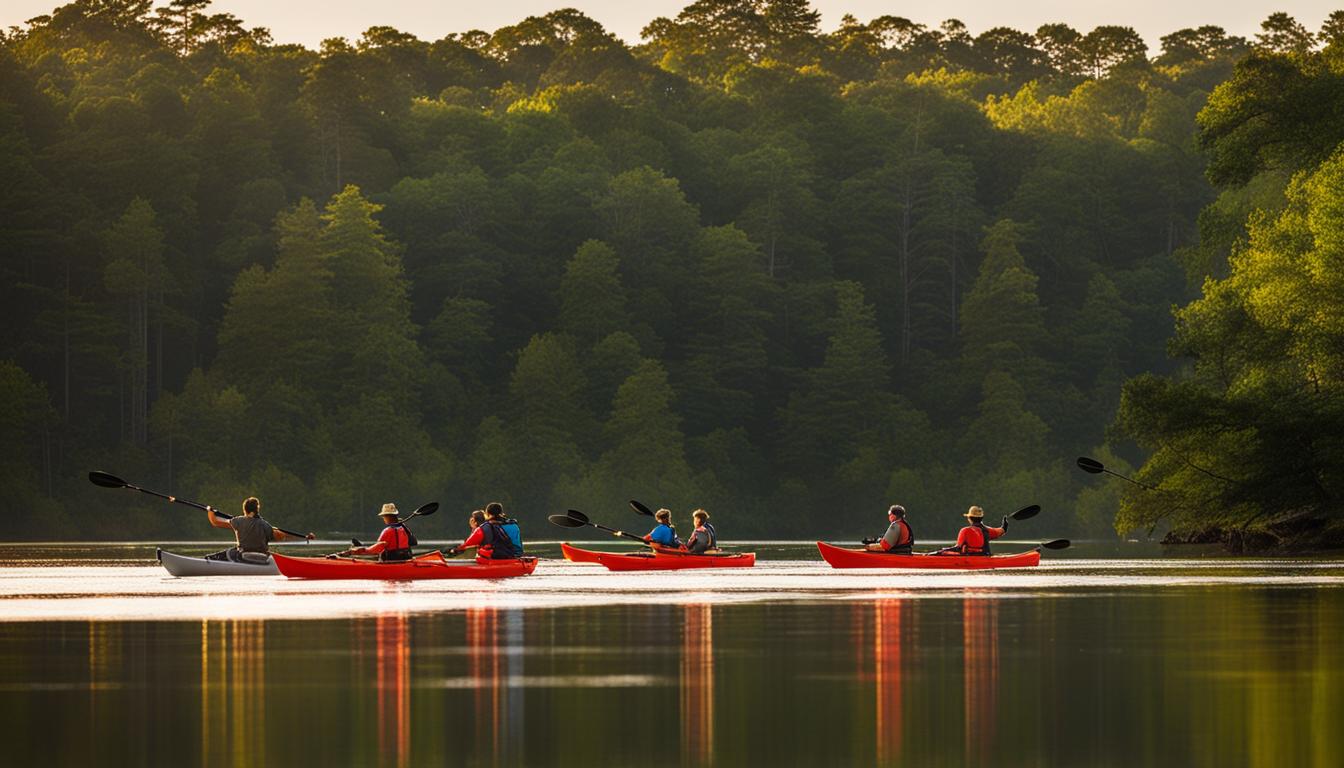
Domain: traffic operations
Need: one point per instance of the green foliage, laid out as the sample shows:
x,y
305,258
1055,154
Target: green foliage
x,y
735,265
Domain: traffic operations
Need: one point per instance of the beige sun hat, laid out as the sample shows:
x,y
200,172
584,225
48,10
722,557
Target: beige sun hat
x,y
389,509
975,512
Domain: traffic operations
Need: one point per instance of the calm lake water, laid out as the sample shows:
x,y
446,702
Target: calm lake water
x,y
1089,661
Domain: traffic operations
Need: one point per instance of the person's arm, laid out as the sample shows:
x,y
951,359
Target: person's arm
x,y
282,536
474,540
385,540
215,521
995,533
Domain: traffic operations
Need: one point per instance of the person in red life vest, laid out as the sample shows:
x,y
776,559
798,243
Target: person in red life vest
x,y
252,532
975,537
704,538
899,538
491,537
394,543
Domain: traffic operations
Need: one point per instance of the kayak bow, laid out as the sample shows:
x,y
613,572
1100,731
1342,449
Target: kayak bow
x,y
425,567
839,557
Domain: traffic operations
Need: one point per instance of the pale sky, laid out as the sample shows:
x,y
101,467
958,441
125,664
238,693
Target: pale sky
x,y
309,21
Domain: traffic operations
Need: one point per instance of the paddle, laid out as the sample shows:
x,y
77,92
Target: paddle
x,y
106,480
1026,513
640,508
1094,467
1056,544
582,519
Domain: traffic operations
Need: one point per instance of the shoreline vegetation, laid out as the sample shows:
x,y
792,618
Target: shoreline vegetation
x,y
787,274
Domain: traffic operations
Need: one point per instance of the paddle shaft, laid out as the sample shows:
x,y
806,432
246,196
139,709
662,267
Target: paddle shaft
x,y
205,508
618,533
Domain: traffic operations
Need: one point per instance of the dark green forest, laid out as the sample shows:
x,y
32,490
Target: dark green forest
x,y
787,274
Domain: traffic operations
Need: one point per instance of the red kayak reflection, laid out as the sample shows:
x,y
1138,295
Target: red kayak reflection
x,y
697,683
980,641
393,681
888,658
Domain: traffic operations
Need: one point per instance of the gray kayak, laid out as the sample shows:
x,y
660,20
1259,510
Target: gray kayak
x,y
181,565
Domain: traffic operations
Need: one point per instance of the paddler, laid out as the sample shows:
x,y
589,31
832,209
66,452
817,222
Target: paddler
x,y
975,537
664,534
494,538
899,538
704,537
394,543
252,532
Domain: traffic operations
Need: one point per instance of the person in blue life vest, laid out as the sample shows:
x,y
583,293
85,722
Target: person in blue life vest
x,y
497,538
664,534
252,532
394,543
899,538
975,537
704,538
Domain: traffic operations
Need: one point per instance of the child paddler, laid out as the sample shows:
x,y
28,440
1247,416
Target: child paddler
x,y
703,538
975,537
664,534
251,531
899,538
394,543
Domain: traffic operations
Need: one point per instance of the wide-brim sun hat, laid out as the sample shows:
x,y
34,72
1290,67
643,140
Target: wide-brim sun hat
x,y
389,509
974,512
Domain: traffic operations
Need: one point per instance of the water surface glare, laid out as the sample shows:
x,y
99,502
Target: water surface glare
x,y
1117,660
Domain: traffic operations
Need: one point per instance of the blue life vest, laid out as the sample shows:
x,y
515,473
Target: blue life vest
x,y
495,535
515,534
666,535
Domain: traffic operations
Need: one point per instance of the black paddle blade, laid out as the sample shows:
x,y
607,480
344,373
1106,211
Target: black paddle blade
x,y
1056,544
1091,466
564,521
640,508
1026,513
356,542
578,517
427,510
104,480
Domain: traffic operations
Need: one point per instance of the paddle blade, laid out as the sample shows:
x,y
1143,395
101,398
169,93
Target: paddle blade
x,y
1056,544
1091,466
564,521
578,517
104,480
427,510
356,542
1026,513
640,508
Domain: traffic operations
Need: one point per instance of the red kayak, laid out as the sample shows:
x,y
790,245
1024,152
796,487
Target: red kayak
x,y
424,567
663,560
840,557
576,555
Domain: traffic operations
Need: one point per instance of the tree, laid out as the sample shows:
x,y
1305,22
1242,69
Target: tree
x,y
592,301
1002,321
1282,33
135,271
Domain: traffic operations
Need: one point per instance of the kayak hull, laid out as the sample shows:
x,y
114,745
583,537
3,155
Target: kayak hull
x,y
576,555
182,565
662,560
839,557
425,567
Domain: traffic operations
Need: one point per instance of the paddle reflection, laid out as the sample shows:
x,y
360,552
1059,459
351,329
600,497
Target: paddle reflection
x,y
980,641
888,659
495,641
697,683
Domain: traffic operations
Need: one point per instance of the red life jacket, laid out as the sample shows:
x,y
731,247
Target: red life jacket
x,y
970,548
400,548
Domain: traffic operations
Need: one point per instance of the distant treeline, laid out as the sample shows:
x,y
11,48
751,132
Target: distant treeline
x,y
788,275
